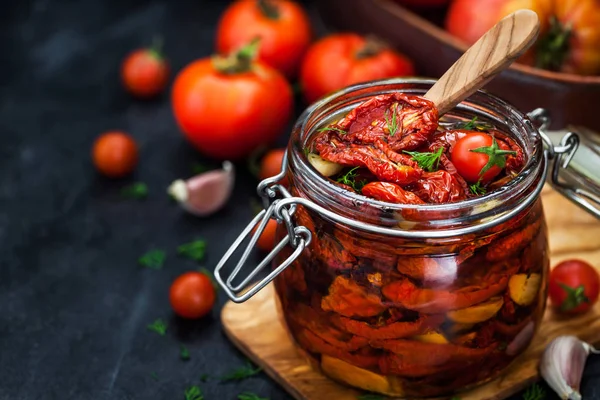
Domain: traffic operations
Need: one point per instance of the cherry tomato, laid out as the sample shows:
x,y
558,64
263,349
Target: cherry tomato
x,y
115,154
571,45
192,295
144,73
340,60
282,25
228,107
573,287
470,164
270,164
266,241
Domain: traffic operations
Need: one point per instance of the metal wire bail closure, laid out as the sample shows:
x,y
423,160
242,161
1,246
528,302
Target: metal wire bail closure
x,y
280,205
560,157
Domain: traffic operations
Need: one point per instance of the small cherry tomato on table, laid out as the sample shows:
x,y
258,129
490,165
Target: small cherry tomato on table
x,y
282,25
115,154
271,163
266,241
145,73
340,60
192,295
478,158
227,107
573,287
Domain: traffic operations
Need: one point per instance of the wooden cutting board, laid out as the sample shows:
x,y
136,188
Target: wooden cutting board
x,y
255,328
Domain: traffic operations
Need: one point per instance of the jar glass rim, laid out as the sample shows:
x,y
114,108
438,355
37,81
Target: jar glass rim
x,y
529,138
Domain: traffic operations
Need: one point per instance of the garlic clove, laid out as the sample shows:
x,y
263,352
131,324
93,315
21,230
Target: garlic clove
x,y
562,365
325,168
206,193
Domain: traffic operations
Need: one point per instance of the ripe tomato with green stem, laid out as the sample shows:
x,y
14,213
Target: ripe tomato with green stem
x,y
344,59
192,295
228,106
478,157
282,25
573,286
145,72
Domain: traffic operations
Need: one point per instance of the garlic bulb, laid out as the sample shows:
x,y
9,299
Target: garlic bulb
x,y
562,365
326,168
205,193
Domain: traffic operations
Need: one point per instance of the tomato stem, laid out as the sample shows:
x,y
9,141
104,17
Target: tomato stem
x,y
238,61
371,48
575,297
553,48
496,157
157,47
268,9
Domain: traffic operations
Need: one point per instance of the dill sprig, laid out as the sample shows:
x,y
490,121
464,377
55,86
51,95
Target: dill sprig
x,y
193,393
474,125
392,123
534,392
349,178
250,396
159,326
477,189
138,190
154,259
333,128
184,353
194,250
428,161
241,373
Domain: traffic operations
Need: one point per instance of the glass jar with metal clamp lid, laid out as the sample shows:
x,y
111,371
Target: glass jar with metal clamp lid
x,y
411,300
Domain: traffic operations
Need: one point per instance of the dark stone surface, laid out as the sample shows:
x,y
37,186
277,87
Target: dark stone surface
x,y
74,305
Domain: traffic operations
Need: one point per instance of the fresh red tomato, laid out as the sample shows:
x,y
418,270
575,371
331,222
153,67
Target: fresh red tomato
x,y
282,26
228,107
192,295
340,60
423,3
573,287
266,241
477,157
570,44
270,164
145,73
115,154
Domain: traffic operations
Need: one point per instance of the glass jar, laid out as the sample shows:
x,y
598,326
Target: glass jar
x,y
406,300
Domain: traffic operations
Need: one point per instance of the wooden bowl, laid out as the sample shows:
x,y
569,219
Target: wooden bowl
x,y
570,99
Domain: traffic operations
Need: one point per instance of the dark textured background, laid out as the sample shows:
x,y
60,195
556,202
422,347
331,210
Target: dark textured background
x,y
74,305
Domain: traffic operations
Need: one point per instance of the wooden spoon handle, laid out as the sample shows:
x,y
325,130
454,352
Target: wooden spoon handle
x,y
491,54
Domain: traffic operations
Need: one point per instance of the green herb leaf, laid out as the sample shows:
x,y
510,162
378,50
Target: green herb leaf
x,y
154,375
198,168
184,353
194,250
535,392
250,396
473,125
392,123
496,157
428,161
204,378
477,189
552,48
370,396
349,178
154,259
193,393
241,373
333,128
137,190
159,326
210,276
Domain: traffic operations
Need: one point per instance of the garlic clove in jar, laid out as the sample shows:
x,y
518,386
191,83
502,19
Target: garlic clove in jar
x,y
562,365
325,168
206,193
